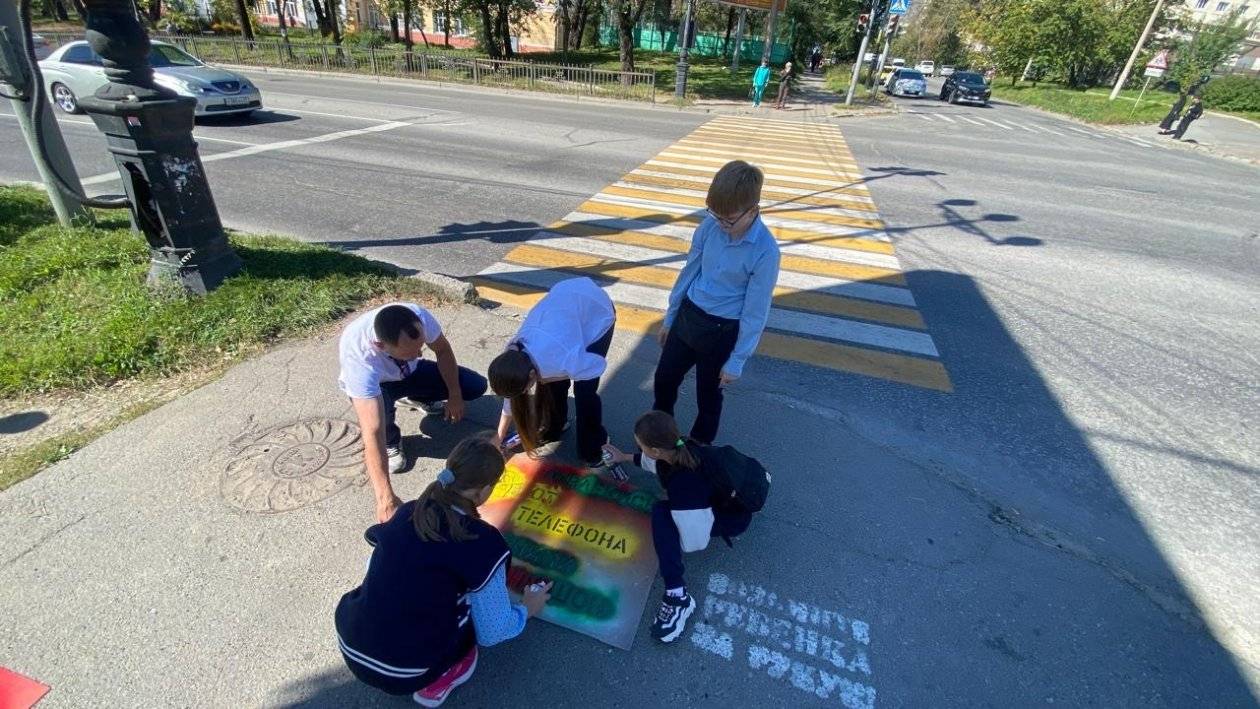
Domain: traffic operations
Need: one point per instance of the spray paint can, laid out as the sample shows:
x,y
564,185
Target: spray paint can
x,y
617,471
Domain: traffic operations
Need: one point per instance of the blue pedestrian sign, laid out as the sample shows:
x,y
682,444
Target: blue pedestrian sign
x,y
899,7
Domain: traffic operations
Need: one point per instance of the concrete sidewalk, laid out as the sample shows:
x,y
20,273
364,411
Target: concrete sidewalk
x,y
193,557
1217,133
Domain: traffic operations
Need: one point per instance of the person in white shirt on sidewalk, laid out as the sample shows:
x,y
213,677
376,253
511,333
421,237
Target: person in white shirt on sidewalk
x,y
382,363
564,339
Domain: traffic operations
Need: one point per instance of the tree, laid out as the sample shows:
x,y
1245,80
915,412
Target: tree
x,y
627,14
574,16
1209,45
247,21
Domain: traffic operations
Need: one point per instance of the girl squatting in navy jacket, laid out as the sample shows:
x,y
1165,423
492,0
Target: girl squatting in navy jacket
x,y
695,510
436,586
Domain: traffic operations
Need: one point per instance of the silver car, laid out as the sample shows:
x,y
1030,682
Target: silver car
x,y
75,70
906,82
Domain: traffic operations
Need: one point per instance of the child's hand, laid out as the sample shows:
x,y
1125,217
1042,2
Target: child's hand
x,y
617,455
535,597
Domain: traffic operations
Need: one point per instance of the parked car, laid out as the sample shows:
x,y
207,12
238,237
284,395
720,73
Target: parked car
x,y
898,62
906,82
75,70
42,47
966,86
927,67
947,71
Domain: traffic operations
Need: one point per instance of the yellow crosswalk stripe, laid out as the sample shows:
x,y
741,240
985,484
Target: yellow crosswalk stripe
x,y
645,214
803,264
837,164
767,193
663,278
822,186
789,211
915,371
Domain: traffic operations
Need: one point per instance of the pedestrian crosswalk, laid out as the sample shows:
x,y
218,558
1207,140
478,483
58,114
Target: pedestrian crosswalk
x,y
960,120
841,301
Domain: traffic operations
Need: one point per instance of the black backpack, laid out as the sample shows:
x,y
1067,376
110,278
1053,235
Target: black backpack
x,y
740,478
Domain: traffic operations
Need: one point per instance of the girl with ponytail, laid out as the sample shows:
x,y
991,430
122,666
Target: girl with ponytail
x,y
694,511
564,340
435,567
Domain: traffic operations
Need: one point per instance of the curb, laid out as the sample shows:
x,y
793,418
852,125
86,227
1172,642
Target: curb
x,y
452,288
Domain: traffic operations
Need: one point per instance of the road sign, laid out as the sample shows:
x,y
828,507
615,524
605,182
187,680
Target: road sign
x,y
1153,72
899,7
1159,61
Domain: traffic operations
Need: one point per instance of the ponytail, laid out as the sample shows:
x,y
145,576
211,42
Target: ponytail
x,y
474,463
659,430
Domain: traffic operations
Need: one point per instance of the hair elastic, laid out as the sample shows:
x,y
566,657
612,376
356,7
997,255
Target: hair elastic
x,y
446,477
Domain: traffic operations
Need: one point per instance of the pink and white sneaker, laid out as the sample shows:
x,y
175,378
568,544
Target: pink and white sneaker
x,y
440,689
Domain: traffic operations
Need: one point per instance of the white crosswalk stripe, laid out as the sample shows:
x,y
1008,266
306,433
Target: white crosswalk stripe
x,y
956,121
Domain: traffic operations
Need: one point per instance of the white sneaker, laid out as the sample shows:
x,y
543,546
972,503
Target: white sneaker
x,y
397,459
430,408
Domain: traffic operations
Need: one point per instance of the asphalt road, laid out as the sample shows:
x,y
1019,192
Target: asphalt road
x,y
1077,522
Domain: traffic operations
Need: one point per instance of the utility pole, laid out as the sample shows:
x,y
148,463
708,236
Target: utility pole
x,y
680,75
768,50
149,132
1137,49
739,38
861,55
48,148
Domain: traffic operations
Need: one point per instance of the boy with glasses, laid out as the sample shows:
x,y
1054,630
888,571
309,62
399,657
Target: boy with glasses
x,y
721,300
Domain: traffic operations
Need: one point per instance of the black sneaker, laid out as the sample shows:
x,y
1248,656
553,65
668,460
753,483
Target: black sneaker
x,y
671,619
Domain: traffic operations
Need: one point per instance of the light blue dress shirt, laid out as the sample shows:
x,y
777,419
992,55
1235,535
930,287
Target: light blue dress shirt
x,y
730,279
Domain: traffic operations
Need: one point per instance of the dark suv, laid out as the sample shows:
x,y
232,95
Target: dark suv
x,y
965,86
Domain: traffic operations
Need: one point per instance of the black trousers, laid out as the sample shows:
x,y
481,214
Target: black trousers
x,y
1183,125
684,350
591,435
464,643
668,543
426,385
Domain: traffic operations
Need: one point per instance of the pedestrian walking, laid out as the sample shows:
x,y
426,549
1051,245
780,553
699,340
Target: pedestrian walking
x,y
563,341
1192,115
709,492
1165,126
382,364
815,59
785,77
435,587
719,305
761,77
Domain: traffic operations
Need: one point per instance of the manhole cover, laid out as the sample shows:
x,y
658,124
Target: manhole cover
x,y
293,466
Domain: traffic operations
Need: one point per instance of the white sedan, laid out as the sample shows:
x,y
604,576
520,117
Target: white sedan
x,y
906,82
75,70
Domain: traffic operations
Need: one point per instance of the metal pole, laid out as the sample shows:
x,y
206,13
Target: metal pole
x,y
768,50
739,39
17,76
680,75
1137,48
861,56
1140,95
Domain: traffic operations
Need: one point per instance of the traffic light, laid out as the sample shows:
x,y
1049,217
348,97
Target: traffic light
x,y
864,19
892,25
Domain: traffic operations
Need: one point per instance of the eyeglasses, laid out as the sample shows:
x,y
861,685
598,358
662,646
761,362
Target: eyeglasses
x,y
728,223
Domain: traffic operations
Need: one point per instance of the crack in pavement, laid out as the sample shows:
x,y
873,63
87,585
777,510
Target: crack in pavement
x,y
42,541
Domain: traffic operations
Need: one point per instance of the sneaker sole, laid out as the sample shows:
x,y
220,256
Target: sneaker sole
x,y
682,623
431,703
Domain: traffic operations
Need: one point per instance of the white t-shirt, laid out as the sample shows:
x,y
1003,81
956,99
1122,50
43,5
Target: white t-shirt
x,y
573,315
364,365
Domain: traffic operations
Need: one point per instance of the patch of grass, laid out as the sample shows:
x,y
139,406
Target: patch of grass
x,y
26,462
1089,105
75,311
707,77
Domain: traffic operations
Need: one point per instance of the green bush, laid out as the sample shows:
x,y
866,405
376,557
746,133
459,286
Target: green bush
x,y
1233,93
368,39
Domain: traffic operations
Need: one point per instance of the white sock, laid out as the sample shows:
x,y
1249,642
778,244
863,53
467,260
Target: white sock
x,y
676,592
